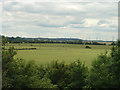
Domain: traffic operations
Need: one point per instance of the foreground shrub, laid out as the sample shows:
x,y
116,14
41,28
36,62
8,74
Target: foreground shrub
x,y
105,70
99,76
68,76
17,74
58,73
78,74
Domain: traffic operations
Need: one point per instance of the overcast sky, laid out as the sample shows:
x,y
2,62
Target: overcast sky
x,y
61,19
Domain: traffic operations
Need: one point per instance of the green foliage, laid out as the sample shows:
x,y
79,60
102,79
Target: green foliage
x,y
68,76
17,74
114,66
78,73
10,67
4,41
99,76
45,83
88,47
57,72
105,70
20,74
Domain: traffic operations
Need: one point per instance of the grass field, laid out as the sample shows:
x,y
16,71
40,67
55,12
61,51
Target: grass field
x,y
45,53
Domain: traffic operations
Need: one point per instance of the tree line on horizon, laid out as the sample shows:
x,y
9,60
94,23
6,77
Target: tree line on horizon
x,y
62,41
104,72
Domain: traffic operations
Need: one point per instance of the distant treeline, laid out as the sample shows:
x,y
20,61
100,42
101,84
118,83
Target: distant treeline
x,y
47,40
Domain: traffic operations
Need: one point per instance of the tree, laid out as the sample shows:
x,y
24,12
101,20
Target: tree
x,y
78,74
4,41
57,73
114,65
99,76
105,70
18,74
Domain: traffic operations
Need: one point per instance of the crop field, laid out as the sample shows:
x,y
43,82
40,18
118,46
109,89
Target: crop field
x,y
45,53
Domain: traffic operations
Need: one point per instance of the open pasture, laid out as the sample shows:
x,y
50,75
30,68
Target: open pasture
x,y
45,53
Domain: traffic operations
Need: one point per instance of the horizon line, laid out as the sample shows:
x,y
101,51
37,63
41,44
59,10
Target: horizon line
x,y
61,37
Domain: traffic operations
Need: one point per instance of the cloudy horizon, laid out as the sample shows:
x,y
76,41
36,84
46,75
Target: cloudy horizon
x,y
82,20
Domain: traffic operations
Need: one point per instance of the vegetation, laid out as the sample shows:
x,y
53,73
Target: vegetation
x,y
4,41
17,74
104,72
52,40
45,53
88,47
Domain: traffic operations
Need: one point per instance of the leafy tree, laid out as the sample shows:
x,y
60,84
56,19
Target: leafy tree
x,y
105,70
78,73
99,76
18,74
4,41
57,72
114,65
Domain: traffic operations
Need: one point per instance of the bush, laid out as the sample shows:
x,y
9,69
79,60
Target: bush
x,y
88,47
67,76
99,76
105,70
17,74
78,74
58,73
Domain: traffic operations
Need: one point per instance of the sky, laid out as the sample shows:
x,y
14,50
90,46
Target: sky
x,y
84,20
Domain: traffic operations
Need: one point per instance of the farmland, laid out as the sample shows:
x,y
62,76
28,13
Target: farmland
x,y
45,53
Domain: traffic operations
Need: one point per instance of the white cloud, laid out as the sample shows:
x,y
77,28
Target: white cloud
x,y
91,22
60,19
0,17
63,0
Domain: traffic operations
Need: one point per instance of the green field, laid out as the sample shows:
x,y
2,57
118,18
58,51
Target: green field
x,y
45,53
